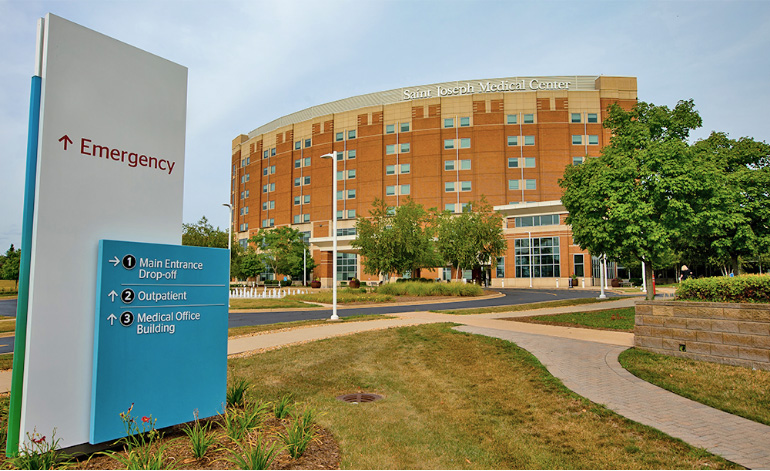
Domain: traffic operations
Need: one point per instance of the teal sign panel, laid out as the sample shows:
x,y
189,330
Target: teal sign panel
x,y
160,338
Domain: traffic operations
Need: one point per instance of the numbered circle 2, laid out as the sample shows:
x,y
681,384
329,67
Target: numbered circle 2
x,y
127,295
129,262
127,318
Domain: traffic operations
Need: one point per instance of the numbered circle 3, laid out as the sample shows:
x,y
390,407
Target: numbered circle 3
x,y
127,318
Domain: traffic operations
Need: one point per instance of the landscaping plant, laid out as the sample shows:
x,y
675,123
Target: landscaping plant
x,y
38,453
256,456
283,407
236,392
299,433
200,436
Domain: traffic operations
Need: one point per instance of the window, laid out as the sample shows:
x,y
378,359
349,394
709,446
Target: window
x,y
272,152
351,174
405,189
593,139
465,122
244,227
577,139
352,134
390,170
390,190
500,267
307,143
352,154
390,149
297,145
268,222
449,186
404,147
306,162
340,155
298,163
513,184
244,211
512,119
465,143
533,221
449,122
465,186
268,205
347,265
340,175
297,200
306,181
344,231
265,153
297,181
593,118
351,194
449,165
515,162
247,193
305,199
449,207
300,218
449,143
542,257
577,160
465,164
339,136
579,264
529,140
404,168
351,214
513,140
529,118
404,127
243,178
529,162
574,117
390,128
530,184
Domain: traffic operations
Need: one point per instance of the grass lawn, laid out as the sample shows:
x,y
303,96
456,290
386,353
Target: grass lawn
x,y
455,401
6,360
278,303
344,296
606,319
734,389
527,307
254,329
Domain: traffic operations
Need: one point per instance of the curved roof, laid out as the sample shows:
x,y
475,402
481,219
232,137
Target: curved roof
x,y
435,90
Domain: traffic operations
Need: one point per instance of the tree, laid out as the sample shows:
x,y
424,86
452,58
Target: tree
x,y
248,264
282,249
634,202
203,234
732,219
10,264
471,239
396,240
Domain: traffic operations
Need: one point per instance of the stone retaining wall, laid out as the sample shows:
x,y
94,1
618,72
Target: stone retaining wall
x,y
734,334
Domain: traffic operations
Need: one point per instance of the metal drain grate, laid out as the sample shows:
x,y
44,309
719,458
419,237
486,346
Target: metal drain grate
x,y
358,398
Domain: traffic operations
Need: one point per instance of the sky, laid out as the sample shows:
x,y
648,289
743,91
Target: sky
x,y
251,62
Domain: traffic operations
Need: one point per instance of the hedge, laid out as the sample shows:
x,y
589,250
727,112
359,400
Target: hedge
x,y
416,288
722,289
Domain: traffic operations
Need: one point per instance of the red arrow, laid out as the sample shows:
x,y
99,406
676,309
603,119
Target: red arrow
x,y
66,140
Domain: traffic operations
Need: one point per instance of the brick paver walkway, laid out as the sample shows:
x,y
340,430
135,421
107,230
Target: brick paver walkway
x,y
592,370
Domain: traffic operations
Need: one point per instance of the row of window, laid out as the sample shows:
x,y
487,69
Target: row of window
x,y
349,214
346,174
465,143
578,140
539,260
346,194
391,190
465,121
517,140
531,221
450,187
404,148
528,184
402,169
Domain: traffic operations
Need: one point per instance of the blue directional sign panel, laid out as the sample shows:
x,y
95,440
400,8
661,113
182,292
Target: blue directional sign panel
x,y
160,339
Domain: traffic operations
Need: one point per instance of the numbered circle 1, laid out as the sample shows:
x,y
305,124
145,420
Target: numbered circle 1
x,y
127,296
129,262
127,318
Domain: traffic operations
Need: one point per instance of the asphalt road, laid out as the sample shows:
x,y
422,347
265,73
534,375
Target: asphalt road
x,y
512,297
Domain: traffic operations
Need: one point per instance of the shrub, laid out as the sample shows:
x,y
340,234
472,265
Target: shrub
x,y
739,289
258,456
200,436
236,392
415,288
299,433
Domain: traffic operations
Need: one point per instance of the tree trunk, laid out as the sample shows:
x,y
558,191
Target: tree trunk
x,y
648,275
736,265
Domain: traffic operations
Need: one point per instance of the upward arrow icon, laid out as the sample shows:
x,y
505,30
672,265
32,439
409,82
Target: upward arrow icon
x,y
66,140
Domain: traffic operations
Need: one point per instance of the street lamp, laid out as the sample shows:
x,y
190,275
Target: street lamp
x,y
602,275
333,156
229,248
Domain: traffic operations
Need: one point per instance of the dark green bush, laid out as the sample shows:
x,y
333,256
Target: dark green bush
x,y
739,289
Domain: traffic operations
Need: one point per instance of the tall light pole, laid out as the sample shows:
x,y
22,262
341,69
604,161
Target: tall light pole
x,y
333,156
602,276
229,248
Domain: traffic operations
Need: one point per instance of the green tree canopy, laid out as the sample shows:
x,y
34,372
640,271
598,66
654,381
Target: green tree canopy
x,y
282,249
203,234
470,239
634,202
248,264
10,264
732,219
396,240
